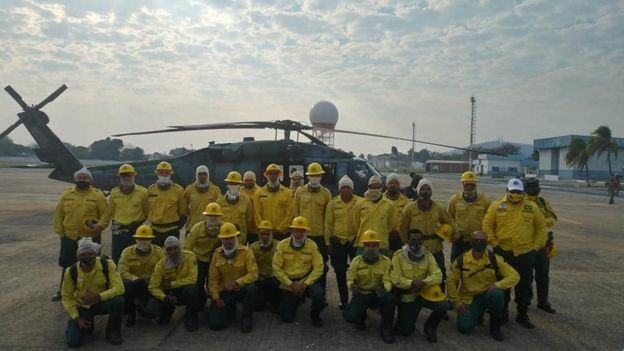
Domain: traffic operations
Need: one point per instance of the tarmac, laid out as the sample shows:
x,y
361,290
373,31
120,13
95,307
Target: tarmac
x,y
587,284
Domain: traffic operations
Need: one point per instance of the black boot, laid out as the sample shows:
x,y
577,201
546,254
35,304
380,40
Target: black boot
x,y
431,326
315,317
341,280
246,325
495,328
387,317
113,328
523,318
191,322
130,320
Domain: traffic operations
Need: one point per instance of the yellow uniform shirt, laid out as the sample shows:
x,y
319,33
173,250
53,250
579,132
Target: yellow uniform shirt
x,y
239,213
312,205
399,204
339,219
241,269
264,258
75,208
468,216
549,214
274,207
249,193
128,208
425,221
133,266
304,265
370,277
405,271
198,200
201,242
93,281
375,216
475,284
183,274
166,206
519,228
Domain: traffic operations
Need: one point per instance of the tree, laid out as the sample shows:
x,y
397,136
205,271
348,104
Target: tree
x,y
9,148
106,149
179,151
394,151
132,154
535,155
602,142
578,155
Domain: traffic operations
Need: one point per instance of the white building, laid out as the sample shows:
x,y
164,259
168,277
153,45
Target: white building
x,y
511,165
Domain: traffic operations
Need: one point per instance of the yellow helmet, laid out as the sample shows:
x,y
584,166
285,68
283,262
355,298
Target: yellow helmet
x,y
272,167
433,293
445,231
227,230
552,252
299,223
315,169
234,177
164,166
144,232
212,209
126,168
265,225
370,236
468,177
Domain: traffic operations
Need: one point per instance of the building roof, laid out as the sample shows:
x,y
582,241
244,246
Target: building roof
x,y
501,158
565,140
447,161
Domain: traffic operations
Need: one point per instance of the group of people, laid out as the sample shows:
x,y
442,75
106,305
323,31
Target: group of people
x,y
268,247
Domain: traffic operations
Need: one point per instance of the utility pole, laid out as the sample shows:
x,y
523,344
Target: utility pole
x,y
473,128
413,137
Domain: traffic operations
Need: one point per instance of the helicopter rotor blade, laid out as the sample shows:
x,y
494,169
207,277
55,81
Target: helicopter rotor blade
x,y
283,125
16,97
151,132
312,138
52,97
10,129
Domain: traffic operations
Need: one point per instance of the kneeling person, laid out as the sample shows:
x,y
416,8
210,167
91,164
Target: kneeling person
x,y
92,287
368,278
264,251
233,270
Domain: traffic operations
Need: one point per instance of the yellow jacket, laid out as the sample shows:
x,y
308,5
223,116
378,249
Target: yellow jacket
x,y
197,201
339,219
264,258
239,213
427,222
304,265
183,274
249,193
166,207
375,216
549,214
519,228
93,281
404,272
274,207
478,283
128,208
75,208
242,269
312,206
399,205
133,266
201,242
370,277
468,216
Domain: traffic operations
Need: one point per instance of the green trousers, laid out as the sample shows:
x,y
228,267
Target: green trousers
x,y
113,307
493,300
218,317
289,303
408,313
355,312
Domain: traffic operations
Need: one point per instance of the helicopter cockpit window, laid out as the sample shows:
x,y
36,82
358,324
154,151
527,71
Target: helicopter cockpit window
x,y
359,170
330,173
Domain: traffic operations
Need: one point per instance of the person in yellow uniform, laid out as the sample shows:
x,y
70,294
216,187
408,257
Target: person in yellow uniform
x,y
173,283
202,242
374,212
371,286
273,202
136,267
298,265
516,229
267,286
427,215
399,200
199,194
340,233
542,259
248,190
81,212
467,208
168,208
311,202
477,283
296,181
236,209
127,208
414,271
233,271
92,287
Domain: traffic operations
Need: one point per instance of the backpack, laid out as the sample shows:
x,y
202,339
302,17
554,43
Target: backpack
x,y
73,271
493,265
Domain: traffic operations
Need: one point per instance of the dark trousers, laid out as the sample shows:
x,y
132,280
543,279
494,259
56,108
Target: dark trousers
x,y
135,291
458,248
320,242
340,257
162,236
356,311
113,307
408,313
494,301
186,295
542,279
289,303
202,277
219,316
267,291
524,264
439,258
67,255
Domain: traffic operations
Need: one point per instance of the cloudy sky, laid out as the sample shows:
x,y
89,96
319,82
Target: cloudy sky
x,y
538,68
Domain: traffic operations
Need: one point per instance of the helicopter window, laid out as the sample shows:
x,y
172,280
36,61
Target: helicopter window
x,y
359,170
330,173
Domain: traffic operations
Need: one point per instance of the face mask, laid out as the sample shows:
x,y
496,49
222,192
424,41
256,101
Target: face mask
x,y
164,180
82,184
424,196
127,182
143,245
298,243
201,186
415,245
373,194
173,262
370,254
272,185
514,198
87,261
267,244
414,251
233,190
479,245
295,183
212,222
229,253
315,182
470,194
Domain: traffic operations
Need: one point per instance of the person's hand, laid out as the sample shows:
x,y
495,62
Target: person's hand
x,y
463,310
91,298
492,287
394,234
84,323
417,285
171,299
230,286
355,288
97,230
165,284
219,303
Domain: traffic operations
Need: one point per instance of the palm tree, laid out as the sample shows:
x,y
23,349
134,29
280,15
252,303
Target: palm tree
x,y
602,142
578,155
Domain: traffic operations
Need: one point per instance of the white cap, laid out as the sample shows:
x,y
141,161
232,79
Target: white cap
x,y
515,184
422,182
393,176
87,244
201,169
374,180
83,170
296,174
345,181
172,241
249,175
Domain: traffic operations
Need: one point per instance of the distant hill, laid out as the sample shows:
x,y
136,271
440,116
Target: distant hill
x,y
525,149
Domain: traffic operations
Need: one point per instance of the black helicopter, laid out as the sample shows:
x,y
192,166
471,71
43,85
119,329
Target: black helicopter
x,y
219,158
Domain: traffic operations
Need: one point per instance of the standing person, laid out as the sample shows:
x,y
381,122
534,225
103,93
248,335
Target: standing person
x,y
613,187
267,286
82,211
296,181
236,209
467,208
199,194
516,229
399,201
128,209
542,259
168,209
273,202
248,190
